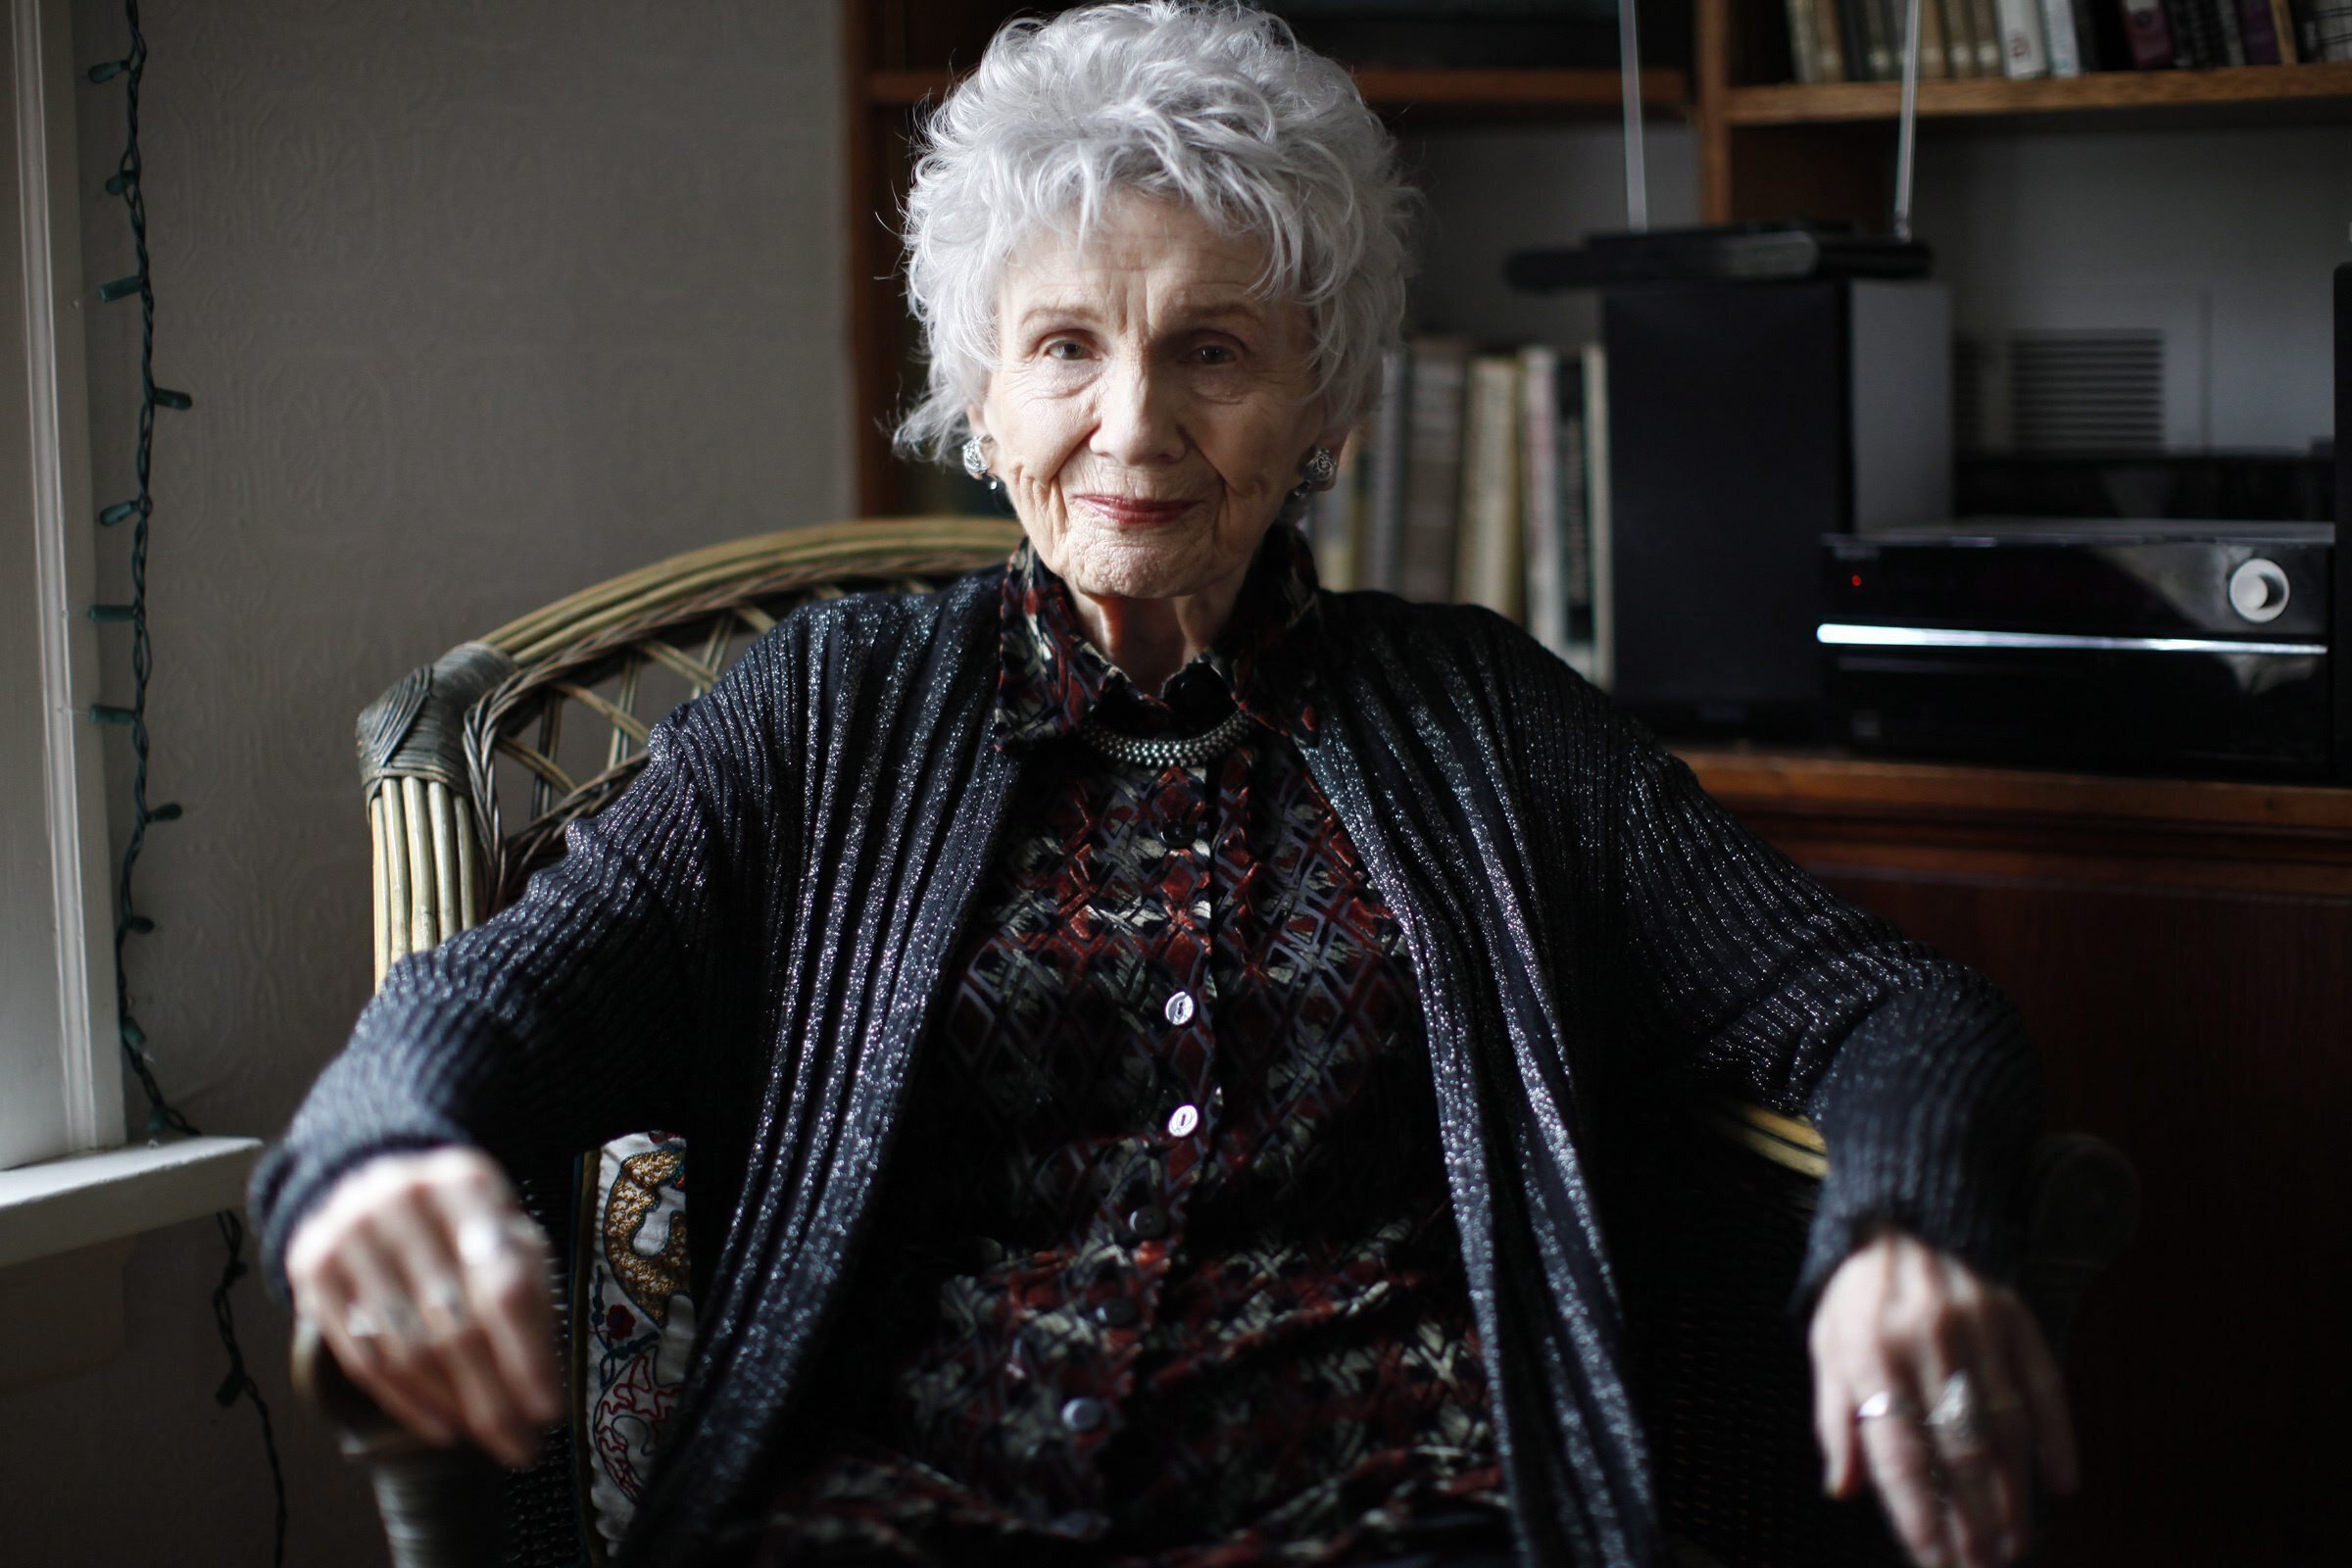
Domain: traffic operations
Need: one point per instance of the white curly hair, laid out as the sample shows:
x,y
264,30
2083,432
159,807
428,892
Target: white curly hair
x,y
1209,102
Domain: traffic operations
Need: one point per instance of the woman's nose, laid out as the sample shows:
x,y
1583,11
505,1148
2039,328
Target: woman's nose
x,y
1136,424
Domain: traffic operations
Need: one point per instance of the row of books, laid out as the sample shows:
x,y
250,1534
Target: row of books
x,y
1862,40
1483,478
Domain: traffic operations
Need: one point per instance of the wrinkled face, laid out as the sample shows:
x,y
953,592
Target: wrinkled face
x,y
1149,411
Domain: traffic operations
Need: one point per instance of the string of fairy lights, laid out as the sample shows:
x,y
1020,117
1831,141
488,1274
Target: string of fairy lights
x,y
139,511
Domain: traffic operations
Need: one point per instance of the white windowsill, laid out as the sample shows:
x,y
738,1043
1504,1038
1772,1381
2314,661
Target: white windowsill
x,y
61,1206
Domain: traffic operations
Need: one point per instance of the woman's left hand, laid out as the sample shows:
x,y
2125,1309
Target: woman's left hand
x,y
1937,1383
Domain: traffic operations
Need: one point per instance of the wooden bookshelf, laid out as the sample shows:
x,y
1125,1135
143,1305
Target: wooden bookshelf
x,y
1769,147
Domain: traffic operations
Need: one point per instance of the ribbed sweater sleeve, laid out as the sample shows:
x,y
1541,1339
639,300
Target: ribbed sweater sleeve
x,y
569,1017
1915,1069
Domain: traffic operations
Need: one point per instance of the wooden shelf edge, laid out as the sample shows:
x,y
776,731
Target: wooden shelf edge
x,y
1535,89
1789,104
1564,90
1783,780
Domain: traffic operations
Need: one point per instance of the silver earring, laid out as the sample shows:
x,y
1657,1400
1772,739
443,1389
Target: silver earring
x,y
1322,470
975,461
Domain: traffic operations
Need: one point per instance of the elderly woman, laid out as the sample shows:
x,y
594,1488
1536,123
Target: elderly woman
x,y
1142,1021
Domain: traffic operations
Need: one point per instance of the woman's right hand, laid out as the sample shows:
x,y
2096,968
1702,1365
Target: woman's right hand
x,y
430,1285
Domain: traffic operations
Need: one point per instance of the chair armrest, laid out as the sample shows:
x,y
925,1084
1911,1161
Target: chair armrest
x,y
441,1507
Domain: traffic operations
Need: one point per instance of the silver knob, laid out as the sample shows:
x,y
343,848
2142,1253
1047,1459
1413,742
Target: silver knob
x,y
2258,590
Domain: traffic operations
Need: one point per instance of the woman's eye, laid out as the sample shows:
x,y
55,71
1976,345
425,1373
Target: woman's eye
x,y
1215,354
1064,350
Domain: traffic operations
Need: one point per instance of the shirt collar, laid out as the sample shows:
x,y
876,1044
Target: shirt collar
x,y
1053,677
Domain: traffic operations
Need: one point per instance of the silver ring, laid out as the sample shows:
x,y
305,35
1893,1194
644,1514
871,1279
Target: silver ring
x,y
361,1324
1884,1403
398,1315
444,1305
1957,1417
487,1239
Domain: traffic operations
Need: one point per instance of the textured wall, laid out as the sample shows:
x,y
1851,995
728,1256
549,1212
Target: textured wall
x,y
2253,219
480,301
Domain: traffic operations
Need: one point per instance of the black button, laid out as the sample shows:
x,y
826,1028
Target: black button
x,y
1084,1413
1150,1222
1117,1312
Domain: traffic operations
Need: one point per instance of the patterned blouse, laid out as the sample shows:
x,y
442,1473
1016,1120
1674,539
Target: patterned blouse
x,y
1165,1271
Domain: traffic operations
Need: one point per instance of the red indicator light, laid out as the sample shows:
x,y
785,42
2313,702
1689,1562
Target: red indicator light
x,y
1857,579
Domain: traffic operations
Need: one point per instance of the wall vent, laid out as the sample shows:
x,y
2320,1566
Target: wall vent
x,y
2091,391
2118,369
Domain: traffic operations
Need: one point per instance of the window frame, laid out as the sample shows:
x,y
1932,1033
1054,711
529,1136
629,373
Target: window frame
x,y
60,1054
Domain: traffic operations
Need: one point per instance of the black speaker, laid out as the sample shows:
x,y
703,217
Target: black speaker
x,y
1745,420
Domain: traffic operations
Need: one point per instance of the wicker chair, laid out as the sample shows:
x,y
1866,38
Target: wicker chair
x,y
473,765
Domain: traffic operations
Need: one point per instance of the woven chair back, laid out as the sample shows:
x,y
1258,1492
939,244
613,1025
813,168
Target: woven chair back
x,y
475,764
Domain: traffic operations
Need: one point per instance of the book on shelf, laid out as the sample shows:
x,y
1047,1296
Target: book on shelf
x,y
1984,21
1545,576
1575,491
2058,38
1878,36
1805,45
1933,58
2195,33
2283,29
1830,63
2233,38
2260,36
1845,18
1600,545
1959,37
1433,465
1862,40
2024,52
1380,557
2329,30
2149,28
1489,550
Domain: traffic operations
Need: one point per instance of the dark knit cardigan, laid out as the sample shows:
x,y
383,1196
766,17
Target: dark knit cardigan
x,y
746,947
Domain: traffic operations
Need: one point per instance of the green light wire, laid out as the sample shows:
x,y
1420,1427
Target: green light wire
x,y
162,1115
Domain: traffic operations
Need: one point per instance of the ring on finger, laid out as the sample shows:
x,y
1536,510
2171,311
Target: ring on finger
x,y
400,1320
486,1239
361,1324
1957,1420
1884,1403
444,1305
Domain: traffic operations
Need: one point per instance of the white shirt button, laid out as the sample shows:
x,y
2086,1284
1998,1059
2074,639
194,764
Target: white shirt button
x,y
1183,1121
1179,1010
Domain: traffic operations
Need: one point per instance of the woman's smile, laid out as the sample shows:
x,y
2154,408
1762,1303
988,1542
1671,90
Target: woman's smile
x,y
1136,512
